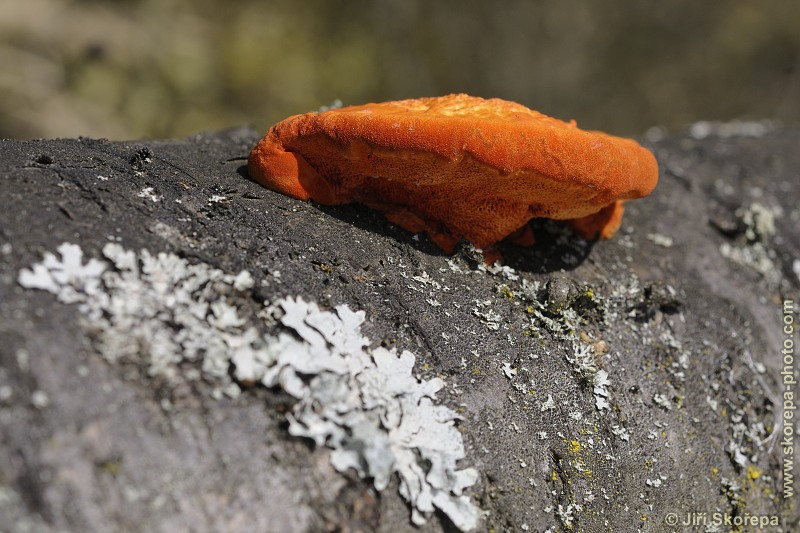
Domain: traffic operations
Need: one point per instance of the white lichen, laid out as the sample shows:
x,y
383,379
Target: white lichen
x,y
759,224
370,409
150,194
705,128
488,316
366,405
508,370
567,514
600,388
548,404
660,240
662,401
68,278
621,432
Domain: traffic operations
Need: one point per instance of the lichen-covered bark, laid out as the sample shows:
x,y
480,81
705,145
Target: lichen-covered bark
x,y
600,387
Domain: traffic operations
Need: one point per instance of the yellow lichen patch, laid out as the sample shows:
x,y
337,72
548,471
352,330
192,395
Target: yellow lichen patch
x,y
506,291
753,472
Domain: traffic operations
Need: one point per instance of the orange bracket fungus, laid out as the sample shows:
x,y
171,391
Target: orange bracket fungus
x,y
457,166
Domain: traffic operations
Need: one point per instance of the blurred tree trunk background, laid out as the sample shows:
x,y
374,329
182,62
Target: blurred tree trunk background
x,y
167,68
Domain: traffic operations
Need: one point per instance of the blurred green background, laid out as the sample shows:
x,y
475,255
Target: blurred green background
x,y
166,68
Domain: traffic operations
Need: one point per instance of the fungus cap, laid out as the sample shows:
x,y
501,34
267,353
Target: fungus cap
x,y
457,166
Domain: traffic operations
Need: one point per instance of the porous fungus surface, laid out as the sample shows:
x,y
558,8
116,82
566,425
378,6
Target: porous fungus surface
x,y
456,166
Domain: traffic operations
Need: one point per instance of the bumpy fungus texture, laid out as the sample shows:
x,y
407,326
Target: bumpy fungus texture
x,y
457,166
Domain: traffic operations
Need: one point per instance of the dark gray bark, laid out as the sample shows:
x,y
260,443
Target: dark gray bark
x,y
689,334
